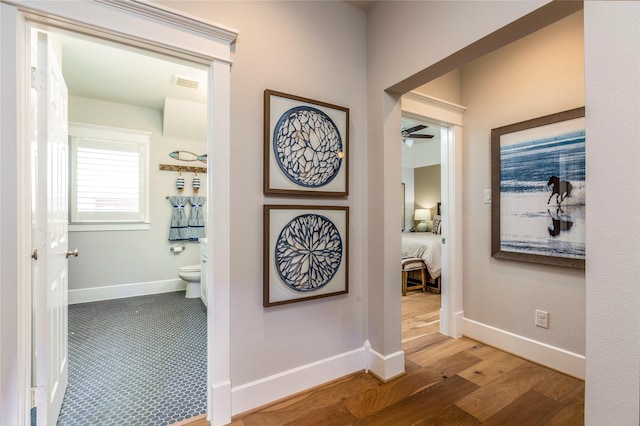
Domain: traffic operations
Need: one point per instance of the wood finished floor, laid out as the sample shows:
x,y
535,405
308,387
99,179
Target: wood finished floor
x,y
447,382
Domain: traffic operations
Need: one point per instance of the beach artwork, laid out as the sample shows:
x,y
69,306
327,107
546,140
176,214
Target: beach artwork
x,y
542,189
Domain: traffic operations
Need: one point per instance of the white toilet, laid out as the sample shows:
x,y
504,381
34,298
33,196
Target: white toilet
x,y
191,274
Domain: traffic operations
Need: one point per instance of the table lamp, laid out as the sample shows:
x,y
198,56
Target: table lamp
x,y
422,215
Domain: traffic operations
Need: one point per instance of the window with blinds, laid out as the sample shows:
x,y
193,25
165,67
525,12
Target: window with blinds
x,y
108,175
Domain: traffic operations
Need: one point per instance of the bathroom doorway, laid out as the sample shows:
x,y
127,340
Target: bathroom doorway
x,y
125,299
158,29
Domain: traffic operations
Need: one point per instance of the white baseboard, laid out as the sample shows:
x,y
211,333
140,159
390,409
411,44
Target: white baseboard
x,y
269,389
124,290
384,367
550,356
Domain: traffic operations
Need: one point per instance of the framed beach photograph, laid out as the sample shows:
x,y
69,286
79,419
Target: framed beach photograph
x,y
306,146
538,186
305,252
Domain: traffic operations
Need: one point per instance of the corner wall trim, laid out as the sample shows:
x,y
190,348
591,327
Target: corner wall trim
x,y
550,356
277,386
220,400
452,326
124,290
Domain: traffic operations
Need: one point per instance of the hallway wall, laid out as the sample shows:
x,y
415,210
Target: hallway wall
x,y
538,75
289,47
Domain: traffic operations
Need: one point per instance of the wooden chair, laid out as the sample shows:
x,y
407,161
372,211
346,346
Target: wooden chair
x,y
413,264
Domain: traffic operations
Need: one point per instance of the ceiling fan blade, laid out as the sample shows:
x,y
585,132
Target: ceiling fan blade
x,y
421,136
415,129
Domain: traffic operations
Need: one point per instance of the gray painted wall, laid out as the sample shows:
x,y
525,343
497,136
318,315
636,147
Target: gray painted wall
x,y
535,76
446,88
612,61
288,46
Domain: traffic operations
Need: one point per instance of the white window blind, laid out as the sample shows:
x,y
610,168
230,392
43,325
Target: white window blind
x,y
109,175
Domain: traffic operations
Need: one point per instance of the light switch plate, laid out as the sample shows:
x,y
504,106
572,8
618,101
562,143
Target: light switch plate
x,y
487,196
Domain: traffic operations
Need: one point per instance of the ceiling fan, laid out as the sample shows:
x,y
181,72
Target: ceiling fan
x,y
408,135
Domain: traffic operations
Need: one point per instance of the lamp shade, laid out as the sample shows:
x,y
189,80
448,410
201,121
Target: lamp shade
x,y
422,214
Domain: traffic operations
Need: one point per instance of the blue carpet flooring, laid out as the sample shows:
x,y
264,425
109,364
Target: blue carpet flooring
x,y
136,361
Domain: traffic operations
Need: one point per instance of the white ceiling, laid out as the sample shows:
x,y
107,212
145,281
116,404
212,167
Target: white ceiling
x,y
100,70
423,152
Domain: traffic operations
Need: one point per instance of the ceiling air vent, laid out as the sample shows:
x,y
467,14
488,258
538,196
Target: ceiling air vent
x,y
179,80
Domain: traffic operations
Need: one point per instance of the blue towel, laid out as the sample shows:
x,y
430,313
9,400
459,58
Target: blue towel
x,y
196,218
179,229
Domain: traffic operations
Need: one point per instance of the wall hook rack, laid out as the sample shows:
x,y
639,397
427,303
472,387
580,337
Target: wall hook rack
x,y
187,169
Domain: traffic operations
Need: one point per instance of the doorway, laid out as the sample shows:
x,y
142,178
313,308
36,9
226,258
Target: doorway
x,y
117,343
447,117
421,178
161,30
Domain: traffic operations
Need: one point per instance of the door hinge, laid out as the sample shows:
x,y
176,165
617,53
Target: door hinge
x,y
37,396
443,240
34,254
38,79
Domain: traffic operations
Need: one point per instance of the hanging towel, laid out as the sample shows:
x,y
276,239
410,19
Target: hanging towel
x,y
179,229
196,218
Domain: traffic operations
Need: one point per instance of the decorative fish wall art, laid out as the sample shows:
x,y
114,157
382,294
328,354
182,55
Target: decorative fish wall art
x,y
188,156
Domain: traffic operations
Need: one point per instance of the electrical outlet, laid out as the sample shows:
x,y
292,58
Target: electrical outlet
x,y
542,318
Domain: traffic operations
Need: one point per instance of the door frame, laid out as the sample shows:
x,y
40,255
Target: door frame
x,y
449,115
136,23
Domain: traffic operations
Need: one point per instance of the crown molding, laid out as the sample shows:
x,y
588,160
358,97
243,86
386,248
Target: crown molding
x,y
434,102
174,17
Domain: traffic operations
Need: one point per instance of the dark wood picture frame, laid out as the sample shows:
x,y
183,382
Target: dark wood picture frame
x,y
530,151
323,169
287,274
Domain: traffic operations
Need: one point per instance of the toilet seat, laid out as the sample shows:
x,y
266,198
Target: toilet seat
x,y
189,268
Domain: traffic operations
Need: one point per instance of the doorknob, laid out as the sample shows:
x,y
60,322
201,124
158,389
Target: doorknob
x,y
70,253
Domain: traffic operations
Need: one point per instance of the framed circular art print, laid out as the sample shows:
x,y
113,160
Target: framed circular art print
x,y
306,146
305,253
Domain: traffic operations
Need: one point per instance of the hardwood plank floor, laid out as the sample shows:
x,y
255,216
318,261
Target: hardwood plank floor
x,y
420,314
447,382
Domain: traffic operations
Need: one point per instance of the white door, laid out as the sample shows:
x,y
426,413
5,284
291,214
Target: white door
x,y
50,361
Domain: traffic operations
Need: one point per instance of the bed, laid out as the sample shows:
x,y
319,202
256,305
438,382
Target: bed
x,y
432,255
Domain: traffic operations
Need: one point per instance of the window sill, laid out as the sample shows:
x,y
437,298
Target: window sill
x,y
96,227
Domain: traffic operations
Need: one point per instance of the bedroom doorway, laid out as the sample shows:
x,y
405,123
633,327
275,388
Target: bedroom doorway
x,y
445,119
421,179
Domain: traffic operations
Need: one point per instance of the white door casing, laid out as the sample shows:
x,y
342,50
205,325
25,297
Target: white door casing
x,y
50,276
449,115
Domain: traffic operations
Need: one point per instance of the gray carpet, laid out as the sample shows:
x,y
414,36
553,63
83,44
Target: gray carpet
x,y
136,361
